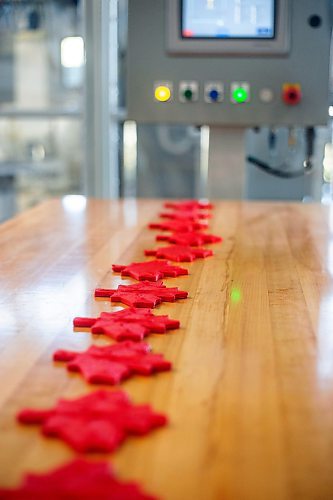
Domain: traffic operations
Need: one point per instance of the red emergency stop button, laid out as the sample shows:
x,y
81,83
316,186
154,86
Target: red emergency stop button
x,y
291,93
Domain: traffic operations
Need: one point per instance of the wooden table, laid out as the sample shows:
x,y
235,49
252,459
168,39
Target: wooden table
x,y
250,399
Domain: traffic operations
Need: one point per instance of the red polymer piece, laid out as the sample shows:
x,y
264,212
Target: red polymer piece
x,y
128,324
179,226
152,270
111,364
180,253
191,238
193,215
78,479
188,205
98,422
143,294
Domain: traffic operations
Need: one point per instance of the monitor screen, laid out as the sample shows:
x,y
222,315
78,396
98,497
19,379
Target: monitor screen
x,y
230,19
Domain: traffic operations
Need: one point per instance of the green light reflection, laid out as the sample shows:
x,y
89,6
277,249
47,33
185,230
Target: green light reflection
x,y
235,295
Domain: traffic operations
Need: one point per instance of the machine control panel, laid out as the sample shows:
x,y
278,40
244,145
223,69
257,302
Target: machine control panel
x,y
228,62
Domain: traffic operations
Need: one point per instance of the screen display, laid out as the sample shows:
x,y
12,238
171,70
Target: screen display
x,y
231,19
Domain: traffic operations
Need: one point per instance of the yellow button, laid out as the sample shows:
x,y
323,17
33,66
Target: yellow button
x,y
162,93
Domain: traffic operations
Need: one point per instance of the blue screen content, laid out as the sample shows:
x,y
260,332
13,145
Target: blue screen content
x,y
231,19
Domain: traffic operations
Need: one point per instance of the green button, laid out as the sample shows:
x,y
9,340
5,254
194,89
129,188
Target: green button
x,y
188,94
240,95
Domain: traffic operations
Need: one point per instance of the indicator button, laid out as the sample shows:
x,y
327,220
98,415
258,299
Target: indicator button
x,y
213,92
239,95
214,95
239,92
162,93
291,93
188,94
188,91
266,95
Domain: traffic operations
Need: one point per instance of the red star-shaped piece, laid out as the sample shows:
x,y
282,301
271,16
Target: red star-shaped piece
x,y
152,270
98,422
111,364
193,215
143,294
79,479
188,205
179,226
127,324
180,253
191,238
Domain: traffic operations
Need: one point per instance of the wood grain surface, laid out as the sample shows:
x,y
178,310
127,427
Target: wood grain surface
x,y
250,399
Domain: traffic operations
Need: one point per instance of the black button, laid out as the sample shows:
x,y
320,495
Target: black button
x,y
314,21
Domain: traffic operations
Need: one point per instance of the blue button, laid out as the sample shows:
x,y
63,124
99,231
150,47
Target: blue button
x,y
214,95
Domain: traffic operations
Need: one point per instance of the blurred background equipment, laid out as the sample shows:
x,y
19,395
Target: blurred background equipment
x,y
40,102
213,99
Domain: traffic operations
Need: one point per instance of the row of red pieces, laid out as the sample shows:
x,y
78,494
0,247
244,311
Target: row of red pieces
x,y
128,324
152,292
90,423
188,220
112,364
185,216
79,421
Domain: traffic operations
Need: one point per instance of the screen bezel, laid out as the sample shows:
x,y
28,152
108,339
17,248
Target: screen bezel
x,y
178,45
272,37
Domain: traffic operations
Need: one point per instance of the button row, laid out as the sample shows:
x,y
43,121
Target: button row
x,y
188,91
214,92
